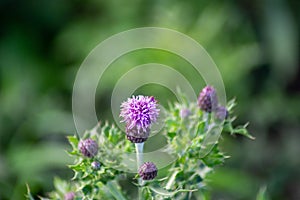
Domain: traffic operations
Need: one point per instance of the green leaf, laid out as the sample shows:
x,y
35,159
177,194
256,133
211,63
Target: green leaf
x,y
168,193
171,135
200,128
73,140
214,158
77,167
28,195
60,185
87,189
242,130
230,105
115,190
262,194
147,195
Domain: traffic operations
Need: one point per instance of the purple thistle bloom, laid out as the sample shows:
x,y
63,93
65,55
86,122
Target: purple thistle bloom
x,y
139,112
207,99
148,171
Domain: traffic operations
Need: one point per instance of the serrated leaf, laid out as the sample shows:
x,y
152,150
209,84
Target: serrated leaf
x,y
73,153
168,193
73,140
242,130
77,175
215,157
77,167
28,195
60,185
231,104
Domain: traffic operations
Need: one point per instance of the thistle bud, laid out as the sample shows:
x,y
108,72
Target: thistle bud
x,y
95,165
184,113
88,147
148,171
69,196
221,113
207,99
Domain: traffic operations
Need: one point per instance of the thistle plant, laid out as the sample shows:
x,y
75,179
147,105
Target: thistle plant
x,y
100,154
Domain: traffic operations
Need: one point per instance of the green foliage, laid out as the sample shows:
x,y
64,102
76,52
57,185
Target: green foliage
x,y
87,182
187,138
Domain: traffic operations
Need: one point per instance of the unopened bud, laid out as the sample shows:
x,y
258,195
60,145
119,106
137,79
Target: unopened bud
x,y
88,147
148,171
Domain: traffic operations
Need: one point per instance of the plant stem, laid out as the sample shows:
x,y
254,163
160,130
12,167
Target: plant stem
x,y
206,118
139,161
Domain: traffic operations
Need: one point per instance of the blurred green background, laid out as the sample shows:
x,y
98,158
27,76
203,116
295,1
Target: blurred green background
x,y
255,44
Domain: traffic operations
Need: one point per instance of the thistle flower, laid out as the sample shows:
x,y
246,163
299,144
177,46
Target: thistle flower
x,y
95,165
139,113
148,171
88,147
221,113
69,196
207,99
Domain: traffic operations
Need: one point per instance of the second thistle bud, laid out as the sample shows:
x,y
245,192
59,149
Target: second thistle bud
x,y
148,171
184,113
88,147
207,99
221,113
95,165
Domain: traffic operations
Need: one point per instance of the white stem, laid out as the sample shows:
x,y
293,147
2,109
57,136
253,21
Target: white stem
x,y
206,118
139,161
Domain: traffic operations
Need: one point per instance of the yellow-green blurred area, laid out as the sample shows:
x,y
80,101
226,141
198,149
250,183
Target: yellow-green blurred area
x,y
255,44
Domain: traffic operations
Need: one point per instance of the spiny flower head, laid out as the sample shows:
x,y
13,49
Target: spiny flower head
x,y
88,147
139,112
148,171
207,99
